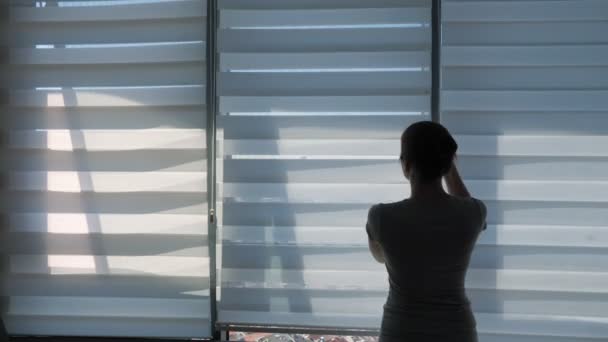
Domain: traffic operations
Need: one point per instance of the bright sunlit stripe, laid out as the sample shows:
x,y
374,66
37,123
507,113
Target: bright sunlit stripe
x,y
307,157
99,3
297,114
324,27
120,87
115,45
329,70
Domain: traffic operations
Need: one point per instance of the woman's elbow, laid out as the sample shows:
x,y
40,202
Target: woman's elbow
x,y
376,251
379,258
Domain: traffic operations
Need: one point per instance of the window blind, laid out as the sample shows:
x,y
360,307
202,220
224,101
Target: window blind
x,y
313,98
525,88
104,198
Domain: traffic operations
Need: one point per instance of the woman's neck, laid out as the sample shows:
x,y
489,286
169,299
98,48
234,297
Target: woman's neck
x,y
423,190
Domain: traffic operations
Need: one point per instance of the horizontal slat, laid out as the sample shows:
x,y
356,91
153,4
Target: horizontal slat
x,y
312,193
108,265
326,169
346,61
358,258
547,191
518,33
99,203
159,53
91,285
299,300
376,280
99,118
324,40
148,244
524,326
108,140
353,214
512,168
108,307
536,280
323,17
531,338
525,100
570,259
533,146
495,235
470,145
110,97
313,170
566,236
107,161
538,303
340,148
496,122
586,327
119,326
295,319
299,235
548,213
316,4
108,181
324,104
362,126
145,11
256,258
590,55
467,11
525,78
103,75
71,223
343,83
326,301
312,279
104,32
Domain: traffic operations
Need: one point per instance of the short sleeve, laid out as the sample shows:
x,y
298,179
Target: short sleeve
x,y
483,211
373,223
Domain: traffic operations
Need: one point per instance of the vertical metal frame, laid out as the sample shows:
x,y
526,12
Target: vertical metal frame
x,y
211,101
436,61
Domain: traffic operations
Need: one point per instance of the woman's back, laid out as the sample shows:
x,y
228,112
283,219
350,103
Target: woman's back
x,y
427,246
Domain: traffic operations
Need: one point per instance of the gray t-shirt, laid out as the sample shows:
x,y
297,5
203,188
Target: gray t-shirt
x,y
427,247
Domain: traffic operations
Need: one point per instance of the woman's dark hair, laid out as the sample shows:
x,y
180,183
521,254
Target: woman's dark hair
x,y
430,148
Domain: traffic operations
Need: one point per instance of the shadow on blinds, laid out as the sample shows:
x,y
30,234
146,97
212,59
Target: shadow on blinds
x,y
96,246
282,254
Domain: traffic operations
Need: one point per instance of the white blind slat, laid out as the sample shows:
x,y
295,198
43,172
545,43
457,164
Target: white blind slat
x,y
65,181
109,97
324,40
522,11
108,140
526,56
324,104
319,17
162,53
145,11
344,61
66,264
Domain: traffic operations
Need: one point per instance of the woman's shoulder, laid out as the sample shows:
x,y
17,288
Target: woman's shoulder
x,y
390,206
381,209
475,208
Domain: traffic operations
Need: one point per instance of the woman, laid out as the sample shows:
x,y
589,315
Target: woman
x,y
426,241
